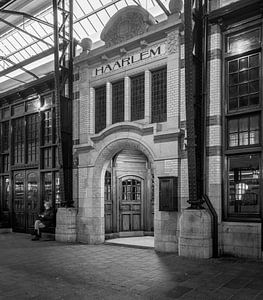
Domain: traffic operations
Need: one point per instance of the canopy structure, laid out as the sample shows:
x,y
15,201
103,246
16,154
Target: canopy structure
x,y
27,37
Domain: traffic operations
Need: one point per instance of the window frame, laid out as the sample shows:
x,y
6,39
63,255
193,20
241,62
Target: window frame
x,y
158,118
228,152
117,101
137,114
100,119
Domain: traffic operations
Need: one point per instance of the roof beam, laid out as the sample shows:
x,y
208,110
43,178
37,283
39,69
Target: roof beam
x,y
28,16
97,10
27,61
20,67
24,31
166,11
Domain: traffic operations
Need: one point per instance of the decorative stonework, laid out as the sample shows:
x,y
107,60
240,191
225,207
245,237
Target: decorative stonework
x,y
173,42
127,23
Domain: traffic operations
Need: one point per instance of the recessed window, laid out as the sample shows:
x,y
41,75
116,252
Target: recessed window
x,y
18,141
243,131
243,82
100,108
243,41
137,97
243,185
159,95
32,138
118,102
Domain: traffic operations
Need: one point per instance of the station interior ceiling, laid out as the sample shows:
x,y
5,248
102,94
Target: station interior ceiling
x,y
27,35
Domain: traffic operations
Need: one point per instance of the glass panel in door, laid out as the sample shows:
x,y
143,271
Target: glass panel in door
x,y
131,205
32,199
19,222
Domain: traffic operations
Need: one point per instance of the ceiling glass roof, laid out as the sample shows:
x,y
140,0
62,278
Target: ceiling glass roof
x,y
28,37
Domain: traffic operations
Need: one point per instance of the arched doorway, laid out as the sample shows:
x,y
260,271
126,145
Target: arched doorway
x,y
128,195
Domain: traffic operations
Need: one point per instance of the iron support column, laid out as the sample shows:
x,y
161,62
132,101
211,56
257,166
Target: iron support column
x,y
63,66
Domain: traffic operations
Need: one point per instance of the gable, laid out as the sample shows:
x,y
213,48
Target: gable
x,y
127,23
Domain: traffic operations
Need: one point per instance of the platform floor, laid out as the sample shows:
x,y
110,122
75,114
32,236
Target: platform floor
x,y
48,270
138,242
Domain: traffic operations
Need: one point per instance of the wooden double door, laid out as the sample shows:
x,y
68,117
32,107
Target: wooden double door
x,y
129,208
25,199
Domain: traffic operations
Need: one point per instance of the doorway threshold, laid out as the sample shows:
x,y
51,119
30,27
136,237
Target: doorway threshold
x,y
145,242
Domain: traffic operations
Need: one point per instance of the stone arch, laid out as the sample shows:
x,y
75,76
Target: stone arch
x,y
106,154
114,147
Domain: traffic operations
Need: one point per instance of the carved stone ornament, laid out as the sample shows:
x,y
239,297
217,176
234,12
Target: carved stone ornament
x,y
172,42
127,23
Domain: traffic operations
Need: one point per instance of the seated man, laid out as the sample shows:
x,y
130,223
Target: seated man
x,y
45,220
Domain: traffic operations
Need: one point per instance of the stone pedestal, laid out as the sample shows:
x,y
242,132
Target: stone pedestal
x,y
195,238
66,225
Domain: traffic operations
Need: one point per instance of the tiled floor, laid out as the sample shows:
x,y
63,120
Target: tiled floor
x,y
51,270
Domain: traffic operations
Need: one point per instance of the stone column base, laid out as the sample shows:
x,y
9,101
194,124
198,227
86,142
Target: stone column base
x,y
195,238
66,225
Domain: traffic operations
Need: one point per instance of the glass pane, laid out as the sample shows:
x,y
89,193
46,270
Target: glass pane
x,y
137,97
233,66
47,188
233,91
243,76
6,193
159,95
254,137
19,192
32,191
243,89
233,78
233,140
254,74
243,124
233,104
57,189
254,60
244,41
254,99
243,185
254,122
233,125
118,102
100,108
243,101
243,139
254,86
243,63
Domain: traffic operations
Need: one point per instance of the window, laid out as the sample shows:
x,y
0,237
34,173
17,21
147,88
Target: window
x,y
243,82
159,95
243,131
243,185
243,123
100,108
168,200
131,190
5,137
32,138
47,127
118,102
47,157
137,97
18,141
107,186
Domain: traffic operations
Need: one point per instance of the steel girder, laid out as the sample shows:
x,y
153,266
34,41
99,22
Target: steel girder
x,y
63,60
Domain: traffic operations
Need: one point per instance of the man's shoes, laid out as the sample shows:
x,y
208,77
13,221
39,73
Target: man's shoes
x,y
36,238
